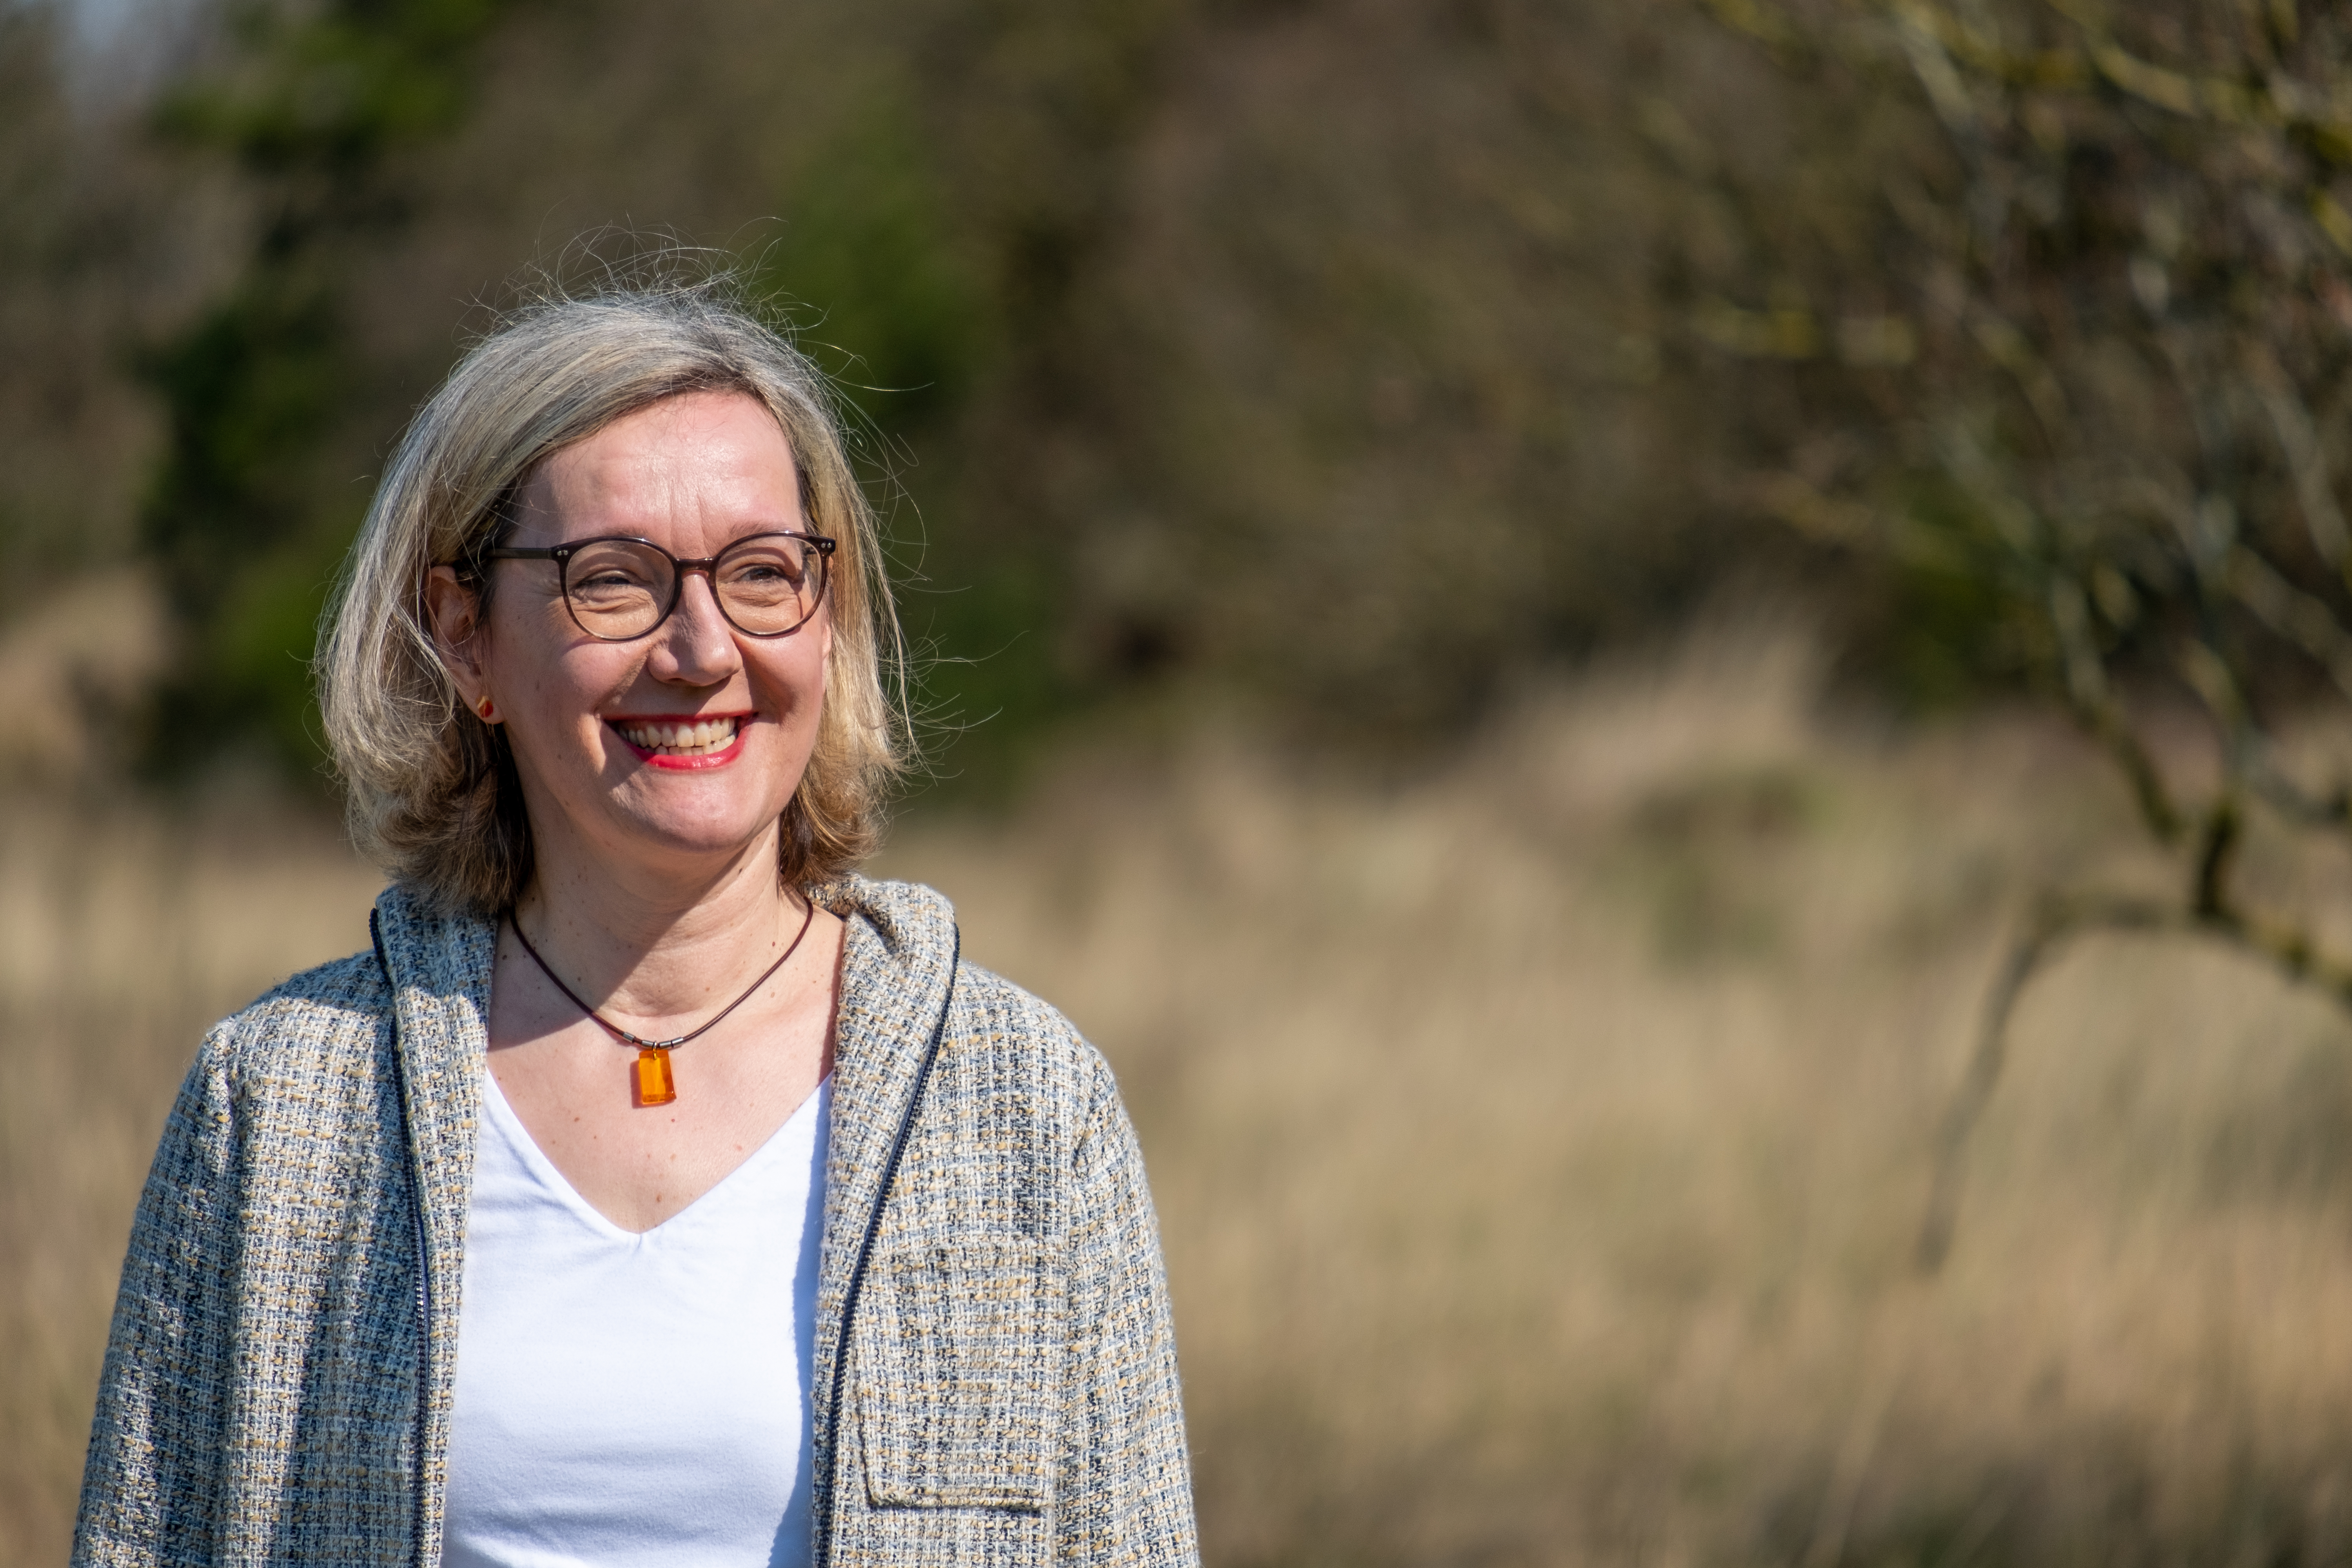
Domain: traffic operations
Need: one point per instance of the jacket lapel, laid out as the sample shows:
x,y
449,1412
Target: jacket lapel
x,y
440,971
899,955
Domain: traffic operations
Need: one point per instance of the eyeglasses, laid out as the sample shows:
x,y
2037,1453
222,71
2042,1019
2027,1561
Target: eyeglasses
x,y
619,589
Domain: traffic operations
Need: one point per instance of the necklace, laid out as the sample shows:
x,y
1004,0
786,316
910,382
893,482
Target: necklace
x,y
651,1081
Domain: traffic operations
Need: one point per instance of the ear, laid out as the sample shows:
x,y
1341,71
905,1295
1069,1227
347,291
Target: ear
x,y
458,634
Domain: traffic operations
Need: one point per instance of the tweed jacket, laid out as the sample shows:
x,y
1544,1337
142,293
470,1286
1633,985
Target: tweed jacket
x,y
277,1382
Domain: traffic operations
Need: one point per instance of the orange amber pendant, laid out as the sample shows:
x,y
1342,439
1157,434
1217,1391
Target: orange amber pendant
x,y
655,1085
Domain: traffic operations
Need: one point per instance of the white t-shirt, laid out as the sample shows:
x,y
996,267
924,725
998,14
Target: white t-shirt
x,y
636,1399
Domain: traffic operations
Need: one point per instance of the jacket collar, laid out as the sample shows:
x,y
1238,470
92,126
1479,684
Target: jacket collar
x,y
896,970
440,966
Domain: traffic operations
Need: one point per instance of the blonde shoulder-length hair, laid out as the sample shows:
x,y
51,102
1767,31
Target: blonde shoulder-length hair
x,y
433,794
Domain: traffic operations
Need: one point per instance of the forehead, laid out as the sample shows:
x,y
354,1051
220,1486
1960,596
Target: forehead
x,y
697,463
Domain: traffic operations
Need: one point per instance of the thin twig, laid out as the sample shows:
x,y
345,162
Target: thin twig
x,y
2056,920
2043,929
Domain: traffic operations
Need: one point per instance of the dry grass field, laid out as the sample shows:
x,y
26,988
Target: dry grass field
x,y
1539,1143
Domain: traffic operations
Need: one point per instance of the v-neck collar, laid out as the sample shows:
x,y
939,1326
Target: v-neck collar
x,y
500,1111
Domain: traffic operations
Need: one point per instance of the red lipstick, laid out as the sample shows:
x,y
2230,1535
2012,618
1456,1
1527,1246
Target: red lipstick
x,y
696,763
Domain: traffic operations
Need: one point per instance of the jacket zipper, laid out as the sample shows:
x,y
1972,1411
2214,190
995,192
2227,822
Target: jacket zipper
x,y
424,1257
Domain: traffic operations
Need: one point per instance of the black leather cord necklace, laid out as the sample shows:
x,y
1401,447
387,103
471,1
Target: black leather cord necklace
x,y
653,1084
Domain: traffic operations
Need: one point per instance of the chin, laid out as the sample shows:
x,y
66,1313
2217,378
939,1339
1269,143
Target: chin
x,y
723,827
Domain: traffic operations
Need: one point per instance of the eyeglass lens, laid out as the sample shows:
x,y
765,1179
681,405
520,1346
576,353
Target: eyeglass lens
x,y
766,585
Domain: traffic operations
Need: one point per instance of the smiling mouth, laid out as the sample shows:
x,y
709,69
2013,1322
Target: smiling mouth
x,y
680,738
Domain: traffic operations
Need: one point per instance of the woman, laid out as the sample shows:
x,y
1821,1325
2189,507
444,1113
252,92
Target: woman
x,y
656,1190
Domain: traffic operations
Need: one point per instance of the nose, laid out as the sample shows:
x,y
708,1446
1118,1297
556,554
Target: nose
x,y
696,647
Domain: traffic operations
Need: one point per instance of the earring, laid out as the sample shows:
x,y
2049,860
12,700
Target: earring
x,y
488,713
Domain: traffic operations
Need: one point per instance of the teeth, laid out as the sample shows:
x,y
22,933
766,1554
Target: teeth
x,y
697,738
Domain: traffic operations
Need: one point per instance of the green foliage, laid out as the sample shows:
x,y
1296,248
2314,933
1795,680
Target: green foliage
x,y
333,91
890,291
884,288
311,107
943,231
248,389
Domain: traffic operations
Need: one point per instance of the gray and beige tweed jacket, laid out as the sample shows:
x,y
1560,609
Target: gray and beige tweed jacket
x,y
277,1382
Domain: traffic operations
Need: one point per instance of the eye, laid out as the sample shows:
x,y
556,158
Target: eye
x,y
615,568
767,566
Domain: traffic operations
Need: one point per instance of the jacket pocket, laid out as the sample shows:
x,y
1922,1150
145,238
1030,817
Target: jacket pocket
x,y
959,1375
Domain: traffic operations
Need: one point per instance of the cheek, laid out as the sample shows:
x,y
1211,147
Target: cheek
x,y
564,699
553,689
797,673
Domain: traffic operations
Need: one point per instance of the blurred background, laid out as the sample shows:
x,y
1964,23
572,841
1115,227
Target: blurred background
x,y
1526,611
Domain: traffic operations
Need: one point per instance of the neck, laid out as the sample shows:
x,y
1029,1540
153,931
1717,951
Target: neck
x,y
658,946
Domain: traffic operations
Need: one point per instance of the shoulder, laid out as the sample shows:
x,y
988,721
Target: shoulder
x,y
921,943
999,1017
999,1039
318,1013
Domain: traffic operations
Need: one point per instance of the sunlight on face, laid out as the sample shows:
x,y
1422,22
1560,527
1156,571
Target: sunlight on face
x,y
681,748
